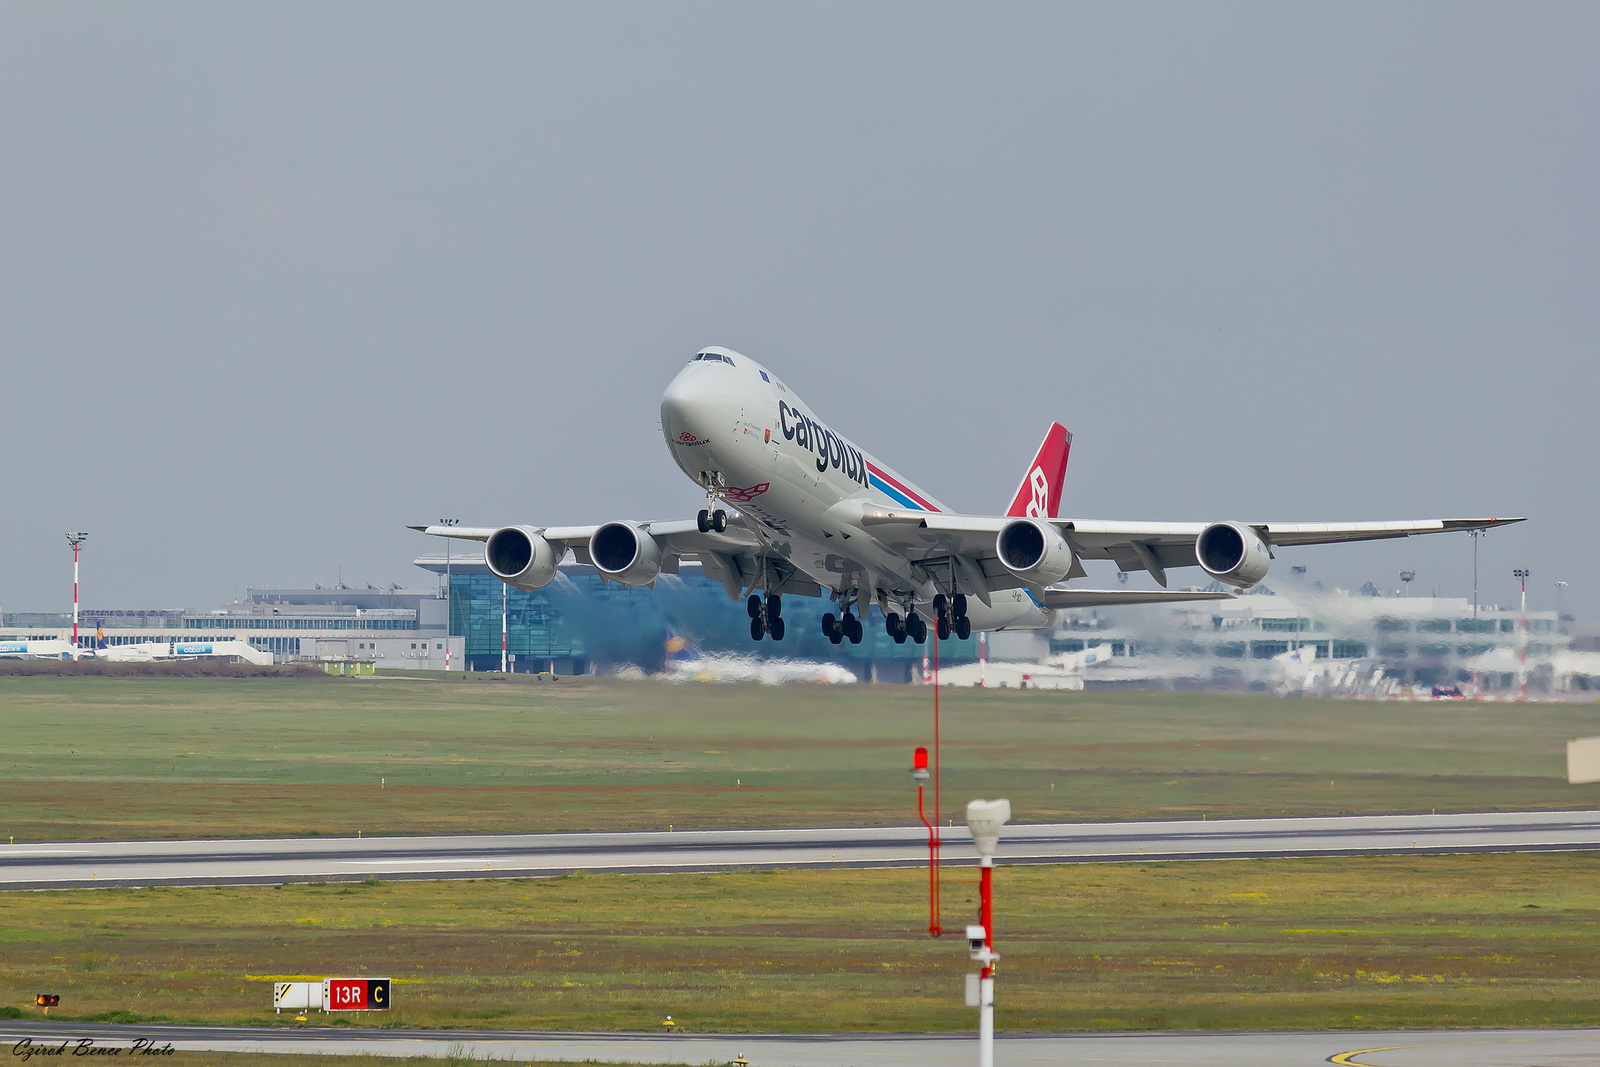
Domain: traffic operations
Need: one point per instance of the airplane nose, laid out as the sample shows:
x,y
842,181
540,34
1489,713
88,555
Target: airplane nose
x,y
693,406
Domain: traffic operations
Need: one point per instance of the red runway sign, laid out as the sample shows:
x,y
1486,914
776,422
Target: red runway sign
x,y
355,994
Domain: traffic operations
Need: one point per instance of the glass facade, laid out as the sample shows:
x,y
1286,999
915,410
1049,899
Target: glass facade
x,y
580,618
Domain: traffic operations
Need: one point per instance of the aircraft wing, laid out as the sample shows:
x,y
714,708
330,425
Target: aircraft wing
x,y
1155,546
966,543
1062,597
736,557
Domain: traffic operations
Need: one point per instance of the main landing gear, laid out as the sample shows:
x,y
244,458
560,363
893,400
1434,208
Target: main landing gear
x,y
911,626
765,618
710,521
837,629
949,615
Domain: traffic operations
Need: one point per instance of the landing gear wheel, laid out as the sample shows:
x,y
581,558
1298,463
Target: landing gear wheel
x,y
775,627
958,605
752,606
757,629
916,628
963,627
703,520
939,604
895,627
851,628
943,627
774,606
719,521
828,622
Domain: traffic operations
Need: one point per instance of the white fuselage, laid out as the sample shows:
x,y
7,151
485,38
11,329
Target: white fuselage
x,y
732,423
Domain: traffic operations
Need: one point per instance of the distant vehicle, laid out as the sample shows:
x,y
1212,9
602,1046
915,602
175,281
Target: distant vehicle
x,y
1450,692
815,514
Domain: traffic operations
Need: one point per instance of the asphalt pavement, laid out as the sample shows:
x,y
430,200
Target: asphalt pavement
x,y
1424,1048
68,864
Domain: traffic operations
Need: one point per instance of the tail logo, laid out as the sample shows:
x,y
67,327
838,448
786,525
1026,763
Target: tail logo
x,y
1039,506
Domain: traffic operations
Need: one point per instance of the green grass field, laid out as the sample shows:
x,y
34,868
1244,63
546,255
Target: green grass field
x,y
1481,940
160,757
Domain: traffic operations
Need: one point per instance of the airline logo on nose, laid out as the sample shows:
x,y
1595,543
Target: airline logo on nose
x,y
686,437
1040,504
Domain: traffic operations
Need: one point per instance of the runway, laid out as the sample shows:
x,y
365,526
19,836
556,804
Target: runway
x,y
1417,1048
273,861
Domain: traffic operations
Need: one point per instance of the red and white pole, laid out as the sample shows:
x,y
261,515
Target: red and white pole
x,y
504,665
986,976
985,818
76,540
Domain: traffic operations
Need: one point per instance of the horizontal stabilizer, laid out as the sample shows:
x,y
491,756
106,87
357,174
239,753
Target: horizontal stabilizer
x,y
1105,598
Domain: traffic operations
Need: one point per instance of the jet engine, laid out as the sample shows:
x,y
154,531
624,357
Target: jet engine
x,y
1034,551
1233,553
522,558
625,554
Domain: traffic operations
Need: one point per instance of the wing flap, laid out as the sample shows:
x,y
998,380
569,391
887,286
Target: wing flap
x,y
1105,598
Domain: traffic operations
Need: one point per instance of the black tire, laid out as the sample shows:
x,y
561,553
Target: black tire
x,y
891,624
776,628
703,520
943,628
827,624
836,637
938,604
963,627
856,633
774,606
899,637
719,521
921,636
757,630
958,605
752,606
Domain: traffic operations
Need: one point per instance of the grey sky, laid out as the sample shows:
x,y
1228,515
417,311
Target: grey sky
x,y
276,279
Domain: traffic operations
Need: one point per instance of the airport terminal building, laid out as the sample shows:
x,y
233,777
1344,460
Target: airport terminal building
x,y
580,624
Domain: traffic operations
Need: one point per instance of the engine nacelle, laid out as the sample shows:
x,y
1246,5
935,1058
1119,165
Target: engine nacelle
x,y
522,558
1034,551
1233,553
625,554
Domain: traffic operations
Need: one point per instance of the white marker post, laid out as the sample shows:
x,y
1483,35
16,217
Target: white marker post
x,y
984,819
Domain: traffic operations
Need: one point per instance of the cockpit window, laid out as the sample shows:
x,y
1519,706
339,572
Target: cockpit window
x,y
708,356
698,356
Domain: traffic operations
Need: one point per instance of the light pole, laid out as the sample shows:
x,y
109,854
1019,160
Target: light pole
x,y
1475,535
447,627
1408,577
1560,585
76,540
920,775
985,819
1521,575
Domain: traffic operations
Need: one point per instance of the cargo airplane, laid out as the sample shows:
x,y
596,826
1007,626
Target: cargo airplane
x,y
795,507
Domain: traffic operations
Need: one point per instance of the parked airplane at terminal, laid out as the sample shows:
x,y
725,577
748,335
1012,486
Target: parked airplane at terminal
x,y
813,512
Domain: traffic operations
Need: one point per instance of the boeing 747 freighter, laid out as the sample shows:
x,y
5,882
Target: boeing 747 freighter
x,y
794,507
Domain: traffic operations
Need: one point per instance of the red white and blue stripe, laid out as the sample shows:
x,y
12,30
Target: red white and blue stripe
x,y
895,489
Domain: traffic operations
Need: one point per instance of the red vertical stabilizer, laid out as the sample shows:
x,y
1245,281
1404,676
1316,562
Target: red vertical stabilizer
x,y
1039,495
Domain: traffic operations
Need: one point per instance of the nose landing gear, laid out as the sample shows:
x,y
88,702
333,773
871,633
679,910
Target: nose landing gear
x,y
709,521
765,618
